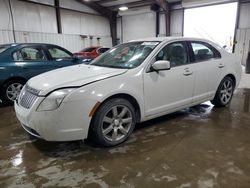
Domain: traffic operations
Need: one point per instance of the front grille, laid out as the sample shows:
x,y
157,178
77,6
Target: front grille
x,y
27,97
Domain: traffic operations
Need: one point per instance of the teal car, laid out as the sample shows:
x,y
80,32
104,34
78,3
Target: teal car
x,y
20,62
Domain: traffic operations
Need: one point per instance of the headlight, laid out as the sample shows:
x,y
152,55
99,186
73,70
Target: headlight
x,y
54,100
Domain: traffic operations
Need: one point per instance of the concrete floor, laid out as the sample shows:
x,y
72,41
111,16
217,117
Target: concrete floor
x,y
201,147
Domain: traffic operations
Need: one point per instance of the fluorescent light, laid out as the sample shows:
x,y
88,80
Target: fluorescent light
x,y
123,8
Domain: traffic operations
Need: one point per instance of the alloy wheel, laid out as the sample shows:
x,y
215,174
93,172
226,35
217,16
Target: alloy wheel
x,y
13,90
226,91
116,123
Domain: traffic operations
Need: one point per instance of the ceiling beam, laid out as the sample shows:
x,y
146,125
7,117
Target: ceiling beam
x,y
98,8
133,4
162,4
106,1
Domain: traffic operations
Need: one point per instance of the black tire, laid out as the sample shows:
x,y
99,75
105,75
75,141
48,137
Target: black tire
x,y
220,101
99,125
3,94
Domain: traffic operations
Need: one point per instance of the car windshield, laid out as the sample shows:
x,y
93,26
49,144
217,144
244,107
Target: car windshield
x,y
87,50
126,56
4,47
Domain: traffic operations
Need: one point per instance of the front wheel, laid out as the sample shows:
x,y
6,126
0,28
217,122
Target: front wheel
x,y
224,92
11,90
113,122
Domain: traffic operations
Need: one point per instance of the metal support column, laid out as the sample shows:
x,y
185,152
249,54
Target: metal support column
x,y
58,16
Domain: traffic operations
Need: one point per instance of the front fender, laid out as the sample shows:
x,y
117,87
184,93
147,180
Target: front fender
x,y
102,90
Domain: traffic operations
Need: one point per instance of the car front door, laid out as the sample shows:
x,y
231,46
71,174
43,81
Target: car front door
x,y
30,60
208,70
169,90
61,57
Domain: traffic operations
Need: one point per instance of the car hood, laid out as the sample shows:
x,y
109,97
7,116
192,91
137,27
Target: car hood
x,y
73,76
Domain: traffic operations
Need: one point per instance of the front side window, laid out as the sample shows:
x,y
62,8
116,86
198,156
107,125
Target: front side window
x,y
203,51
127,56
175,53
57,53
29,54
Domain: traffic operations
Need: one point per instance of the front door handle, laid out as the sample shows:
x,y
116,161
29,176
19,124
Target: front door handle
x,y
221,65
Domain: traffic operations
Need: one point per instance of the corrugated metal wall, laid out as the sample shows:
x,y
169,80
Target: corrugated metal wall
x,y
119,29
78,23
138,26
243,33
141,23
136,23
176,22
162,25
6,36
37,23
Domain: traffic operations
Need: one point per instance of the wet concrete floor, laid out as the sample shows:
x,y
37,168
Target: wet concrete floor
x,y
201,147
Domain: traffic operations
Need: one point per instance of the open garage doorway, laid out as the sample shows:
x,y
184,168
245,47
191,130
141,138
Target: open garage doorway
x,y
216,23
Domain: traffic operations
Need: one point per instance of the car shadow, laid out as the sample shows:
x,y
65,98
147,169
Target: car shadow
x,y
1,103
77,148
5,105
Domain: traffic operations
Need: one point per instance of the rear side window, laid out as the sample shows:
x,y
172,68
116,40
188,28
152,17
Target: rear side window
x,y
29,54
203,51
57,53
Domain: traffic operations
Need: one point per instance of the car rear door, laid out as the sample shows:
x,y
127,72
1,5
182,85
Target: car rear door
x,y
172,89
60,57
208,68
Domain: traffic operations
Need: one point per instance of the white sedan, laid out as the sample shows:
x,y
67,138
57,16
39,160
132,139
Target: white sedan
x,y
133,82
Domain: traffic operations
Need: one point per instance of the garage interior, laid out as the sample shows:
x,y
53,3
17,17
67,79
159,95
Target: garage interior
x,y
201,146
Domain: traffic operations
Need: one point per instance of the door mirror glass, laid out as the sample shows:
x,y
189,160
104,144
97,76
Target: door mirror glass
x,y
161,65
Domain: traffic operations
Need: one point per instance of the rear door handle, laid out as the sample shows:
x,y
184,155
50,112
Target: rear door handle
x,y
187,72
221,65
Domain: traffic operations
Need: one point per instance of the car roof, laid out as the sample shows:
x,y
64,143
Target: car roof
x,y
161,39
18,44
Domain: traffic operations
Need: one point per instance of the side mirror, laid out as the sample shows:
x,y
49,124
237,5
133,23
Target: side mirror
x,y
161,65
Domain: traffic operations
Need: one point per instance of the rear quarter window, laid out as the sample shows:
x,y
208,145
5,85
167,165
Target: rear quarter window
x,y
58,53
203,51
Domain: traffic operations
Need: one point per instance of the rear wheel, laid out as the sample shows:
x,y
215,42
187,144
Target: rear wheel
x,y
113,122
11,90
224,92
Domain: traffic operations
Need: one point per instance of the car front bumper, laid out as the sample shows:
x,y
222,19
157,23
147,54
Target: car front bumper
x,y
69,122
